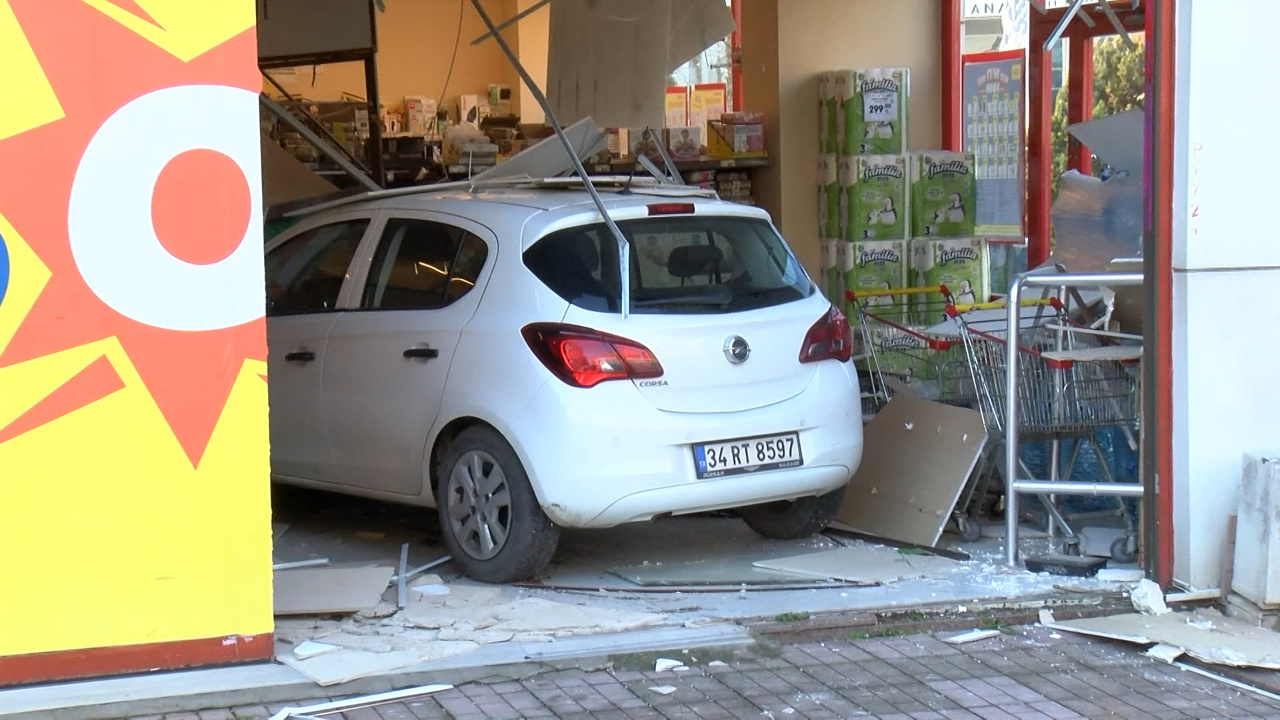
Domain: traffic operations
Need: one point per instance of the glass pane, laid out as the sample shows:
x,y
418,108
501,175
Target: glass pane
x,y
467,267
678,265
305,274
412,266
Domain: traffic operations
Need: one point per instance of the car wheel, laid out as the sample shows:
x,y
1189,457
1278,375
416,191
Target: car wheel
x,y
491,520
793,519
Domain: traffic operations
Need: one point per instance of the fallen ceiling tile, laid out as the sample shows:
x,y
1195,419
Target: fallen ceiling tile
x,y
867,566
323,591
917,458
1205,634
730,573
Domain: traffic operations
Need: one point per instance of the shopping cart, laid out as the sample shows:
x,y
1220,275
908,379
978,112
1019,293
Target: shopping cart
x,y
898,354
1073,381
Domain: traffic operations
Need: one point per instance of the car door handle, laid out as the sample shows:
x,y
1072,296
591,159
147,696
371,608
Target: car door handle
x,y
300,356
423,353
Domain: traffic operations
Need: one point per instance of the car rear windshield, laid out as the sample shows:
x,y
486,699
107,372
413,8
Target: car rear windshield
x,y
679,265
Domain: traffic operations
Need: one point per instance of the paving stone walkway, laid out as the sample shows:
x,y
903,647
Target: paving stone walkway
x,y
1028,672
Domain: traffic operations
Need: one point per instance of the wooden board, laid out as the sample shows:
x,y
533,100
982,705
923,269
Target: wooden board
x,y
917,456
323,591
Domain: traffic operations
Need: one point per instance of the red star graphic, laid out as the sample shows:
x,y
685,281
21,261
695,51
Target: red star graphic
x,y
199,210
132,7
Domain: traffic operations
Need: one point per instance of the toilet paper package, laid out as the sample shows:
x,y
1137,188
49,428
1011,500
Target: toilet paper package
x,y
943,194
847,169
828,111
962,264
828,196
906,355
874,102
879,265
830,280
875,194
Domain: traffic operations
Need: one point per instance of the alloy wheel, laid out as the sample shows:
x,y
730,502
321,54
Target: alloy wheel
x,y
478,502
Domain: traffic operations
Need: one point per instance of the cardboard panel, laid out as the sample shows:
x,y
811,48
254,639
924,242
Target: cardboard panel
x,y
916,460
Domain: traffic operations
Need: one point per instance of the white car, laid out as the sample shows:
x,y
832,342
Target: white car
x,y
465,349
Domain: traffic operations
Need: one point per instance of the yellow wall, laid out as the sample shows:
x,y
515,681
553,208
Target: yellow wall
x,y
807,37
134,495
415,46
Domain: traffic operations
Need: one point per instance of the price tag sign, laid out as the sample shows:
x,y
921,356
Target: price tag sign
x,y
880,106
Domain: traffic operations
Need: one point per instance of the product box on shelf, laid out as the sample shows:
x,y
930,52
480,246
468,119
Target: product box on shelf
x,y
943,194
873,105
685,142
646,144
874,191
729,140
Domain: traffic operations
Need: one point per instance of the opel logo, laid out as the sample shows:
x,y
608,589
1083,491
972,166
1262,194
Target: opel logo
x,y
736,350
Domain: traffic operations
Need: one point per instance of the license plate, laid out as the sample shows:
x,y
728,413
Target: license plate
x,y
738,457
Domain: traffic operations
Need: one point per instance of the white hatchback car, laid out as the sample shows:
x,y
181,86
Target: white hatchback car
x,y
466,349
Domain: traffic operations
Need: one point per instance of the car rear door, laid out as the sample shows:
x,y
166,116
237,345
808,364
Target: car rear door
x,y
389,356
306,276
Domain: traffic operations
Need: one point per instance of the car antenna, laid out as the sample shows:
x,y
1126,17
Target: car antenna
x,y
624,247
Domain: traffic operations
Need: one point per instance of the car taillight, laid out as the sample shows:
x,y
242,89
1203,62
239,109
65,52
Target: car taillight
x,y
584,358
829,339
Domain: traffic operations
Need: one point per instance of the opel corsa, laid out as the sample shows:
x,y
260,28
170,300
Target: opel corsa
x,y
466,349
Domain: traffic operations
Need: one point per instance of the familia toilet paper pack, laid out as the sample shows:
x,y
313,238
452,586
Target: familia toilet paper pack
x,y
828,196
828,114
943,194
831,280
962,264
874,104
879,265
874,190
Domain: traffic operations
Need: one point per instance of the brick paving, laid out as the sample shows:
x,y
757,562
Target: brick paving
x,y
1028,672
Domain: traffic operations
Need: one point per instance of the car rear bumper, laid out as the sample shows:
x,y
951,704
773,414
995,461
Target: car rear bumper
x,y
606,456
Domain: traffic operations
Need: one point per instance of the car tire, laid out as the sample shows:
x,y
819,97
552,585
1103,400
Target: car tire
x,y
491,520
793,519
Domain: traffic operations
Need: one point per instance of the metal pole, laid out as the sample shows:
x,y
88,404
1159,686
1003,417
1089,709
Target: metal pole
x,y
1062,25
373,97
1013,313
624,248
301,128
1065,487
318,126
508,23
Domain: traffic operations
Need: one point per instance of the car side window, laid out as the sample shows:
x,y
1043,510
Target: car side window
x,y
305,274
422,265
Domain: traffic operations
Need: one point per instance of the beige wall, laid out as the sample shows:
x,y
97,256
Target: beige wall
x,y
807,37
415,45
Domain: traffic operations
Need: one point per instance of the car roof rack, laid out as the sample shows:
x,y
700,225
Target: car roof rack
x,y
615,183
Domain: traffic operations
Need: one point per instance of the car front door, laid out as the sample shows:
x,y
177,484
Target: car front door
x,y
306,275
388,360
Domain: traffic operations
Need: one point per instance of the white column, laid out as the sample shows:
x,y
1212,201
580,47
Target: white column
x,y
1226,265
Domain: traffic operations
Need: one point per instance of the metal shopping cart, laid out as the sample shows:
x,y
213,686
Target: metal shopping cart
x,y
1073,381
899,353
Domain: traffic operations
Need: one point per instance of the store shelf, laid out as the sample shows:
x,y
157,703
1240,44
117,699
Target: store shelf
x,y
627,166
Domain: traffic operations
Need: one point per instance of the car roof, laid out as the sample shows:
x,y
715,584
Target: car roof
x,y
548,203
